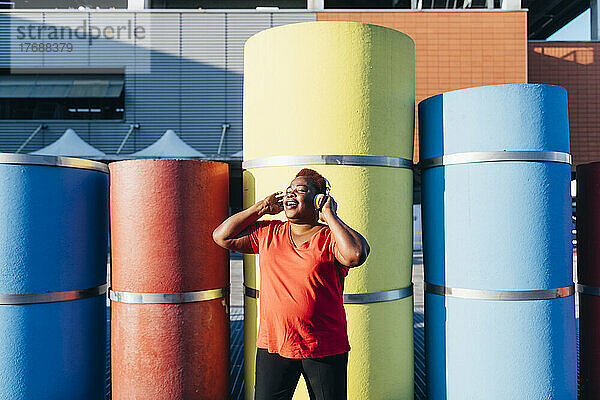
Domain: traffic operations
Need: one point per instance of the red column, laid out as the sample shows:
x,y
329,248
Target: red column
x,y
588,274
163,213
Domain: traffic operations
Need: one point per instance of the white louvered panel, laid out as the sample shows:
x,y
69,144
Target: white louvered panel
x,y
157,106
16,132
5,39
71,29
107,135
203,80
129,87
187,77
142,50
240,26
22,56
118,46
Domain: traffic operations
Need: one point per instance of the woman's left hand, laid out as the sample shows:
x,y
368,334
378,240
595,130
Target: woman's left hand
x,y
330,206
352,248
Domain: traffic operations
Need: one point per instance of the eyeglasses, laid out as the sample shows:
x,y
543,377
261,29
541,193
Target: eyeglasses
x,y
298,189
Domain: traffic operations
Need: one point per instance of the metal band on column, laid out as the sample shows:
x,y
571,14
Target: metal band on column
x,y
358,298
585,289
168,298
502,295
251,292
328,159
52,161
496,156
378,297
52,297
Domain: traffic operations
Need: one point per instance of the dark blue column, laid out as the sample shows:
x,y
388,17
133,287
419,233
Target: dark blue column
x,y
53,247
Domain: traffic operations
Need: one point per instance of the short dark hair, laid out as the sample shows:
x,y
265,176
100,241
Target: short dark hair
x,y
315,177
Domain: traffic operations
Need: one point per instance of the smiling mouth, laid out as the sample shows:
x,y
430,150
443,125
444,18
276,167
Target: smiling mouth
x,y
291,204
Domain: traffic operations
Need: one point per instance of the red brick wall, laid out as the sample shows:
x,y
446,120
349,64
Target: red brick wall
x,y
456,50
576,67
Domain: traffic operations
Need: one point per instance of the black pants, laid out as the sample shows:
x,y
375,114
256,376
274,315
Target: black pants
x,y
277,377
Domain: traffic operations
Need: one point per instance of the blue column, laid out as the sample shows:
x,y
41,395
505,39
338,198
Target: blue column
x,y
502,231
53,246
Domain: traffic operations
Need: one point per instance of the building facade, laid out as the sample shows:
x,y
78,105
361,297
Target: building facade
x,y
179,70
116,74
576,67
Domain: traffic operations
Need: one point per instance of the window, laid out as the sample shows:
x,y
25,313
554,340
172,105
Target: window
x,y
47,96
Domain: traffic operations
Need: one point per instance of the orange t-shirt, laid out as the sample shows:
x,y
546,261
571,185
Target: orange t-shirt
x,y
301,293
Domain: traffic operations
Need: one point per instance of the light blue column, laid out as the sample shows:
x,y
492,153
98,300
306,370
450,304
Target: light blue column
x,y
498,226
53,238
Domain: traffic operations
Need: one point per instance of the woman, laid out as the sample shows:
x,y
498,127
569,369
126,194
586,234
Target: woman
x,y
303,263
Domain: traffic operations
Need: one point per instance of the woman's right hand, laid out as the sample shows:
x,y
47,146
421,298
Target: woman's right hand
x,y
273,204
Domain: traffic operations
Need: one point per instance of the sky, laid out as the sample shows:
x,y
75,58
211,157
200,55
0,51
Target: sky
x,y
578,29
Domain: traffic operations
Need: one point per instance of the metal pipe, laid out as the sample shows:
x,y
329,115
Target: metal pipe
x,y
223,132
35,132
594,18
131,128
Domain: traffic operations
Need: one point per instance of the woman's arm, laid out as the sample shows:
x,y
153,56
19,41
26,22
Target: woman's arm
x,y
232,233
352,247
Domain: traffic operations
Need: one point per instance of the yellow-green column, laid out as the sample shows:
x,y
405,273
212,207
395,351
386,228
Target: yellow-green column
x,y
338,97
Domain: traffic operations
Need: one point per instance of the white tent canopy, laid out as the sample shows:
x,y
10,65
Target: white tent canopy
x,y
70,145
169,145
